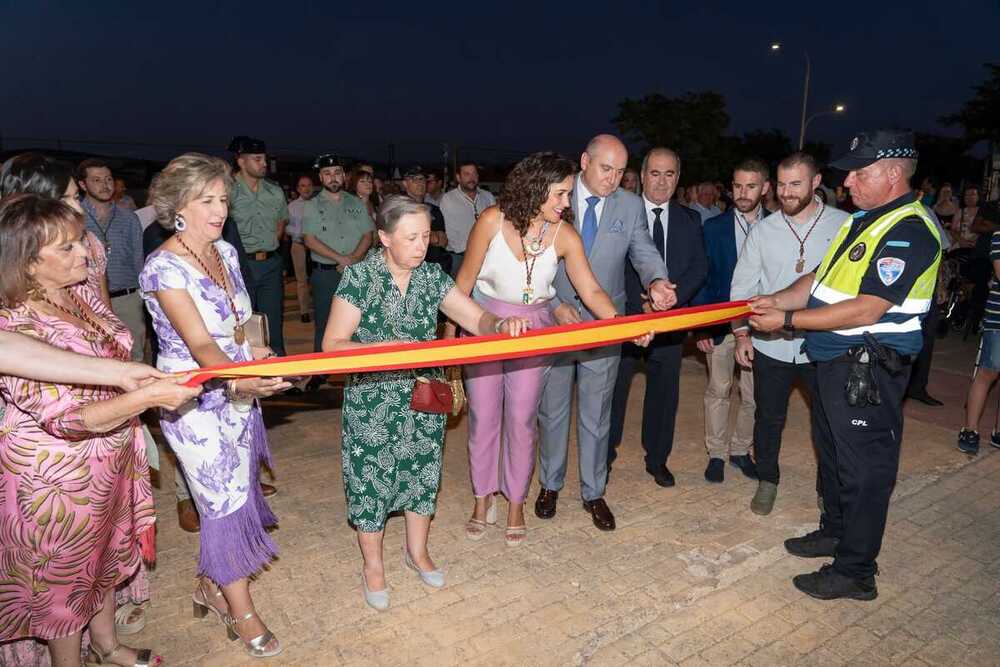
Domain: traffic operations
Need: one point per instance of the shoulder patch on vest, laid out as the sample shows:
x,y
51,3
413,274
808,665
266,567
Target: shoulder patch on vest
x,y
890,269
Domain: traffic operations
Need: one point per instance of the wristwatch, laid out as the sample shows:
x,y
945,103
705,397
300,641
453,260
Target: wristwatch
x,y
788,326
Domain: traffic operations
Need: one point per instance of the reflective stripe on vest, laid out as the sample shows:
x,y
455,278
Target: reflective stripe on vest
x,y
841,280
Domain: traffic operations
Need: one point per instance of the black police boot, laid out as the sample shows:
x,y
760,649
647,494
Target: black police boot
x,y
816,544
828,584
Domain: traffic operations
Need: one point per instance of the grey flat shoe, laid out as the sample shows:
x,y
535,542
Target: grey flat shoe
x,y
433,578
763,500
377,600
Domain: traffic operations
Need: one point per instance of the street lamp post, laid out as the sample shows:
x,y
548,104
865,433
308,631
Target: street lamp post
x,y
776,46
839,108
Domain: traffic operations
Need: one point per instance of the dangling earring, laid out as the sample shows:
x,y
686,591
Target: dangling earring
x,y
179,224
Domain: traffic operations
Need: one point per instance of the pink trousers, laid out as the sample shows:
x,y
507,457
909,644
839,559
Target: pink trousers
x,y
503,411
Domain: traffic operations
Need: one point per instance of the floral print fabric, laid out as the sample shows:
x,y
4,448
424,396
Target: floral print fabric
x,y
391,454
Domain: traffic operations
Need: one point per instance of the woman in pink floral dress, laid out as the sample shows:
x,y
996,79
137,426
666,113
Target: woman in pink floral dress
x,y
74,487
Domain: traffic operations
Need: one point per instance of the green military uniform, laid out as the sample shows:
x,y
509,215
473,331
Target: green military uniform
x,y
340,225
257,215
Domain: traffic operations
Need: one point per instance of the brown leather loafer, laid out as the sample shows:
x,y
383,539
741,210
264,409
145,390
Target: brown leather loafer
x,y
600,513
187,516
545,506
267,490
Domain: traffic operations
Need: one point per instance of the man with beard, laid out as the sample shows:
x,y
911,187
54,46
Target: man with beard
x,y
724,238
676,232
614,227
120,231
779,250
337,231
258,208
461,208
415,187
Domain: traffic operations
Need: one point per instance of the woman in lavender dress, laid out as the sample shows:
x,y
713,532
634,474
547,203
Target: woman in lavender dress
x,y
195,294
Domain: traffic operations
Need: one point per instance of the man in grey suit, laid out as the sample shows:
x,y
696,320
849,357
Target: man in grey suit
x,y
612,224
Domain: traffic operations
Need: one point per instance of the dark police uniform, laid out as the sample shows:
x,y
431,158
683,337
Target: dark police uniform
x,y
891,252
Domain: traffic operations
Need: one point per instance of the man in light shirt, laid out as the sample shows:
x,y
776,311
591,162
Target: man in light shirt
x,y
780,249
305,187
704,203
461,208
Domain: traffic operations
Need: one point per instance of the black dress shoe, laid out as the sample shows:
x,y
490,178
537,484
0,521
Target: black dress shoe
x,y
828,584
926,399
545,505
745,464
661,475
812,545
715,472
600,513
305,318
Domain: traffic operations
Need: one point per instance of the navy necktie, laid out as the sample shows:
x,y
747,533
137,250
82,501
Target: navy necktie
x,y
658,237
590,223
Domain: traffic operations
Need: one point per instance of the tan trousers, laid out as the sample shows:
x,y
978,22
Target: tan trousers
x,y
301,278
721,367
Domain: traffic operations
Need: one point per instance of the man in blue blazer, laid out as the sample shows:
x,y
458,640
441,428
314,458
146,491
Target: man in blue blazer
x,y
612,225
676,233
724,237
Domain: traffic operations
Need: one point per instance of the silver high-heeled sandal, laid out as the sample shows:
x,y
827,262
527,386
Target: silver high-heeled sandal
x,y
200,605
256,647
377,600
433,578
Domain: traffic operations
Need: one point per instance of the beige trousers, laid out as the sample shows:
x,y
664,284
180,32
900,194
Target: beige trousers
x,y
130,311
721,367
299,253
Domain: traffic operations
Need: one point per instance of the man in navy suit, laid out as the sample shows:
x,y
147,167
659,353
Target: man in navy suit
x,y
676,233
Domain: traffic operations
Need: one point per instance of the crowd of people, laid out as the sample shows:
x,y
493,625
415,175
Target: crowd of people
x,y
840,284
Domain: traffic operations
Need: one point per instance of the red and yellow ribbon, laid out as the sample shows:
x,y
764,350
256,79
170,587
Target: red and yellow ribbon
x,y
478,349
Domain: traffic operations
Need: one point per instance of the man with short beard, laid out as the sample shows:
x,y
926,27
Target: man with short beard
x,y
779,250
461,208
120,231
337,230
257,206
725,235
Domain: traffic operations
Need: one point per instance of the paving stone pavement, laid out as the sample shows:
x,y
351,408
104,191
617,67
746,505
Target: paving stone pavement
x,y
690,576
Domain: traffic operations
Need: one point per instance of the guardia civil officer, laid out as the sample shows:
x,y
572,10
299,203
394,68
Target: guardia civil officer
x,y
861,311
338,232
260,212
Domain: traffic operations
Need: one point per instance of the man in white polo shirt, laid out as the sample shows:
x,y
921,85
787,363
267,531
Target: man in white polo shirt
x,y
461,208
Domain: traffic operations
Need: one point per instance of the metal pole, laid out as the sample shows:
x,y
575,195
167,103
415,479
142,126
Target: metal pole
x,y
805,103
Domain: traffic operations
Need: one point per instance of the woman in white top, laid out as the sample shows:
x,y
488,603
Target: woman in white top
x,y
511,259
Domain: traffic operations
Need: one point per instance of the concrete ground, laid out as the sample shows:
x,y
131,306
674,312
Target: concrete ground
x,y
690,576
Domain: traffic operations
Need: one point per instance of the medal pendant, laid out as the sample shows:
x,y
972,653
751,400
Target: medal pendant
x,y
800,265
534,247
526,297
239,336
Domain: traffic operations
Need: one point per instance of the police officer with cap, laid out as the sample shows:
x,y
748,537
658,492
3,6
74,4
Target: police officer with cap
x,y
259,209
861,310
337,231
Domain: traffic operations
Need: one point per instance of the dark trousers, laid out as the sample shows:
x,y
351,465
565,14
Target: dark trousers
x,y
268,296
922,364
324,283
773,381
859,459
659,406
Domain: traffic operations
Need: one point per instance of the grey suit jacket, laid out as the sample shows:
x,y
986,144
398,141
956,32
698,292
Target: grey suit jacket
x,y
621,232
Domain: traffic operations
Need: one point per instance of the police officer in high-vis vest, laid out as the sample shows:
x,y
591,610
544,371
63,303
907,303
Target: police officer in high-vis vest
x,y
259,209
861,310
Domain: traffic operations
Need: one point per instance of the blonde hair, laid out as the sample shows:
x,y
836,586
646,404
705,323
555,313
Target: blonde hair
x,y
183,180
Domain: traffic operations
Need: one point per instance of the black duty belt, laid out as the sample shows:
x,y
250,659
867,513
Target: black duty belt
x,y
122,292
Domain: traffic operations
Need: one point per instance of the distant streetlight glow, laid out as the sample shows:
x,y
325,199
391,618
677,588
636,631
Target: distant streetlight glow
x,y
840,108
775,46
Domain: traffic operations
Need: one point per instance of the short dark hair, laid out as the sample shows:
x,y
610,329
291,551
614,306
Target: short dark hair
x,y
36,174
527,187
90,163
28,222
800,157
465,163
755,165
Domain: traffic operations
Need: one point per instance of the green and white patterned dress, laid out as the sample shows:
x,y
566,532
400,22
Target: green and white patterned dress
x,y
391,454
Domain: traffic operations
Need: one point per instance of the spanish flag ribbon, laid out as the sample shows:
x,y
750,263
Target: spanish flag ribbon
x,y
478,349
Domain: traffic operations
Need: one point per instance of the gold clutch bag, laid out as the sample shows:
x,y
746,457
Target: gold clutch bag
x,y
256,330
454,377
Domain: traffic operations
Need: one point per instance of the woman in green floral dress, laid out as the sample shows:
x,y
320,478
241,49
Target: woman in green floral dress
x,y
391,454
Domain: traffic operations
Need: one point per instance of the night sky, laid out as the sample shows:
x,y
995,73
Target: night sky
x,y
511,77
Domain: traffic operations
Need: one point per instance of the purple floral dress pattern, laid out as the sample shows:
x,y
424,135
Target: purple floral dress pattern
x,y
72,503
219,446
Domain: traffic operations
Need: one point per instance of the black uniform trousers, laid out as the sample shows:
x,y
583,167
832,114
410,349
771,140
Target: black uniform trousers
x,y
859,459
773,381
659,406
